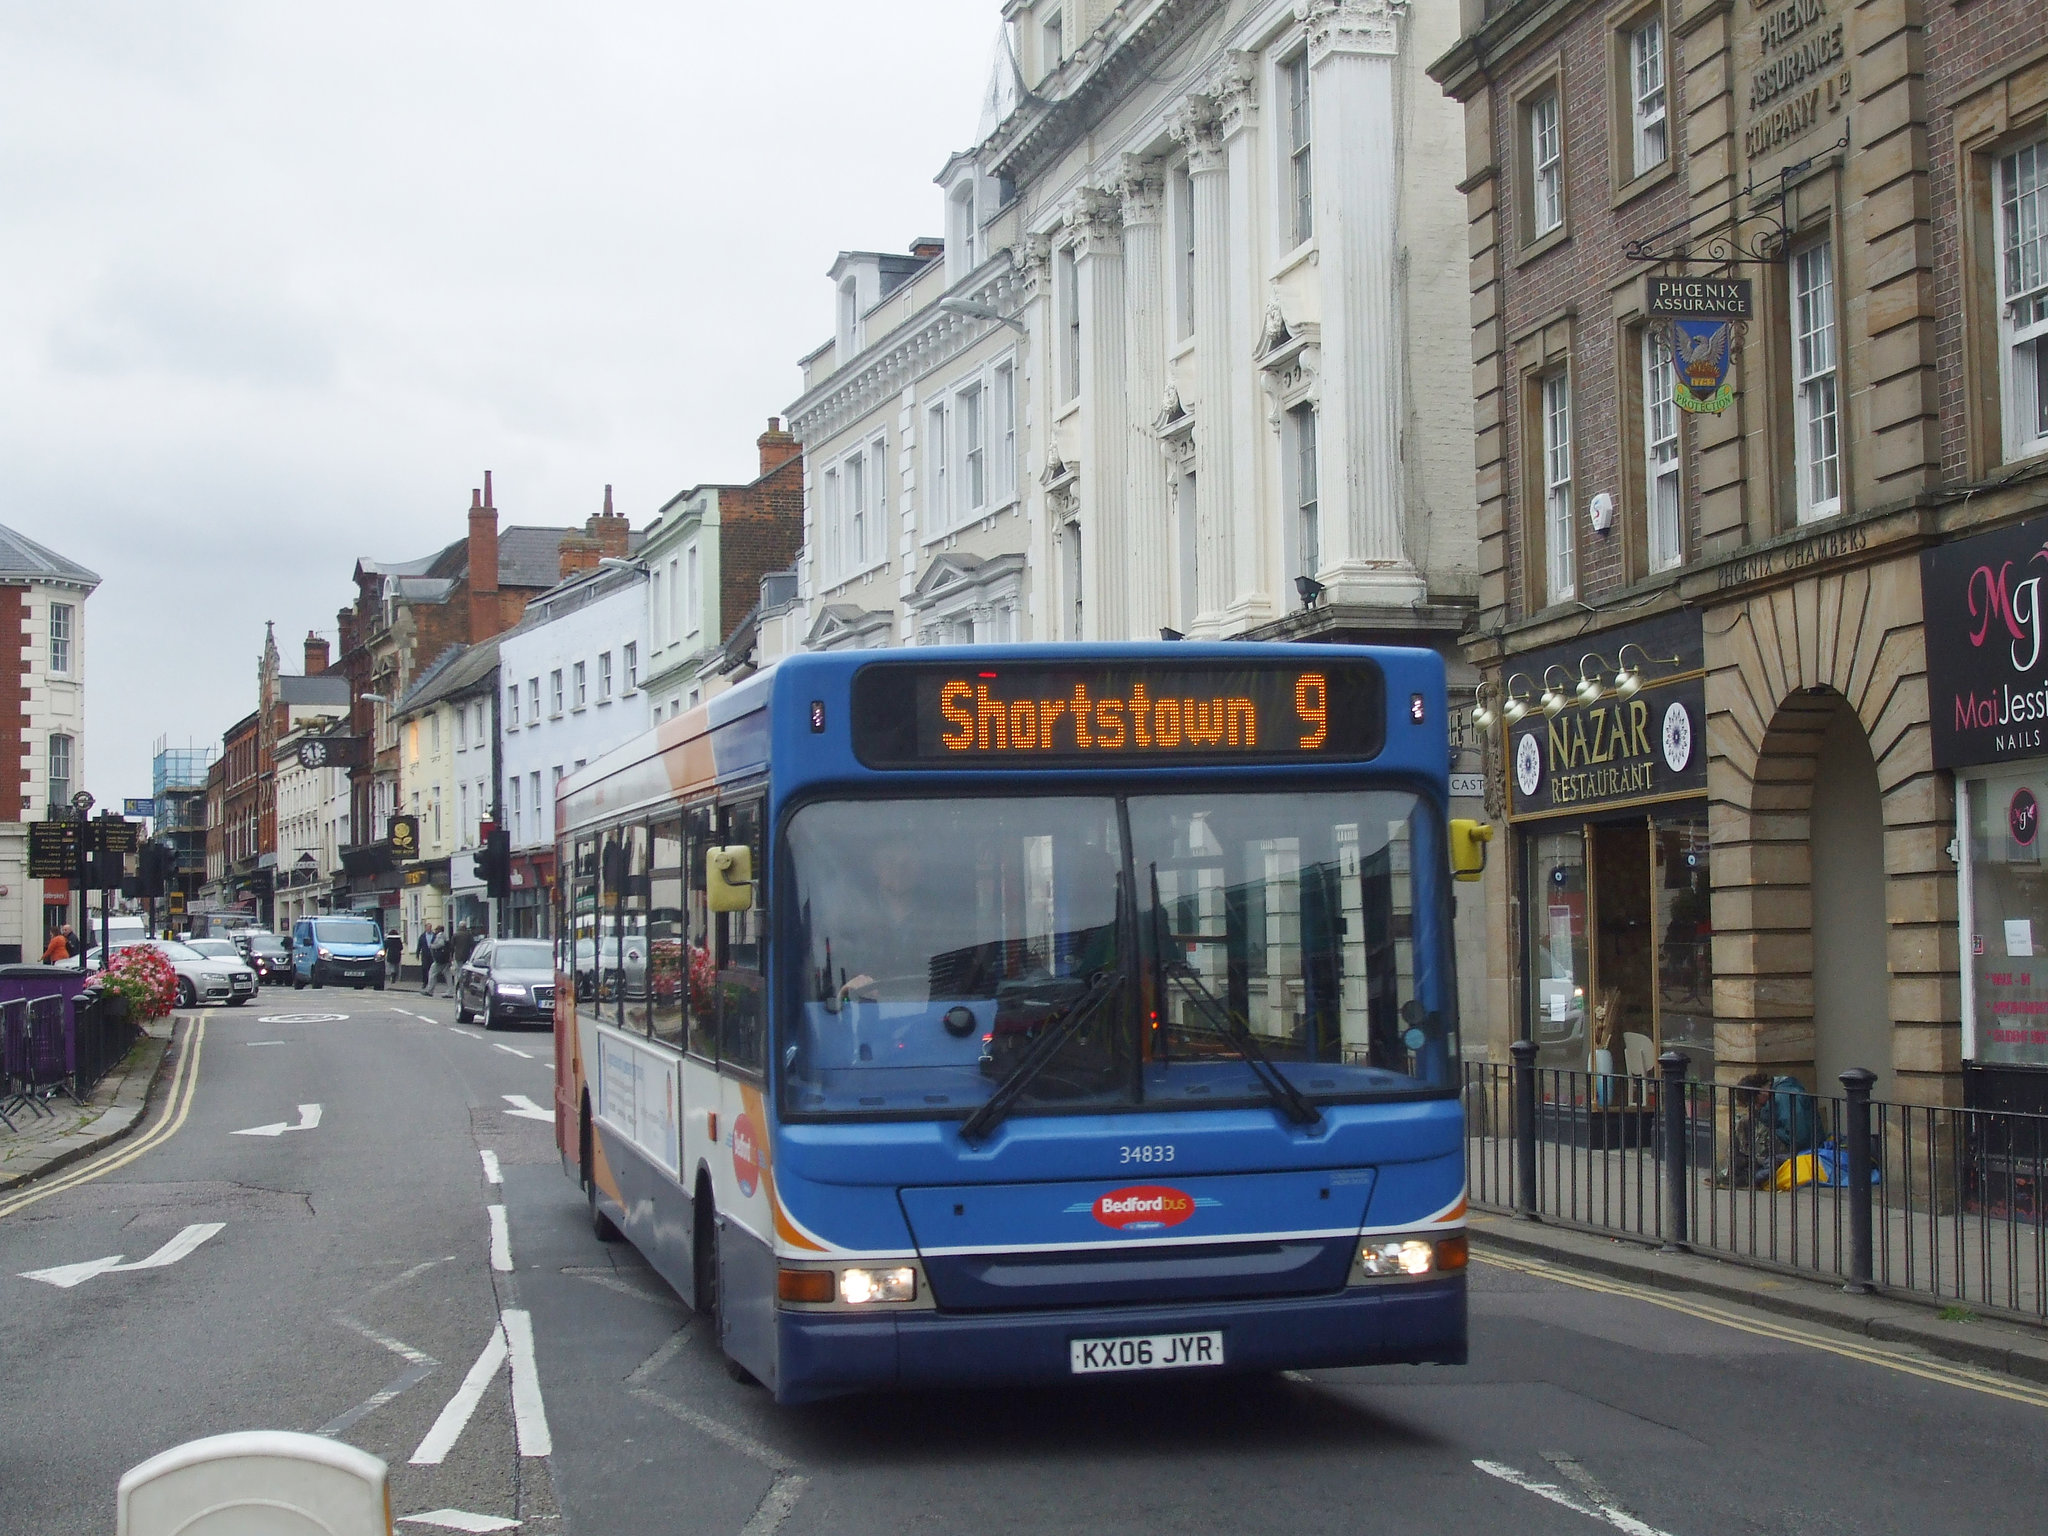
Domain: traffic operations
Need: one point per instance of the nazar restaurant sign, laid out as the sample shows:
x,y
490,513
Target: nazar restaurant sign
x,y
1987,645
1616,718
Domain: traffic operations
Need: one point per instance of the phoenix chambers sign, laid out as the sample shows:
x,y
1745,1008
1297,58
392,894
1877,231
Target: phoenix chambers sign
x,y
1986,602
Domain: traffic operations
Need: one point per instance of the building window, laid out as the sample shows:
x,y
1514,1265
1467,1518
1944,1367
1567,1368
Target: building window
x,y
604,677
937,502
1005,407
1561,558
630,661
849,319
1308,523
462,730
1052,42
1184,250
1301,203
462,822
541,827
1070,560
60,771
533,698
960,229
579,682
656,596
1816,431
434,733
973,450
2023,300
693,594
60,637
1660,456
853,490
832,538
555,693
518,809
878,499
1646,93
1546,165
512,707
1070,323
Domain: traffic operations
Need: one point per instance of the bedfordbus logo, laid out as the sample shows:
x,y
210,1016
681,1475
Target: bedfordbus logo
x,y
1142,1206
746,1155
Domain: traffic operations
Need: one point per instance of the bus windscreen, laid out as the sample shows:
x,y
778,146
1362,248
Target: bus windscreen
x,y
1052,714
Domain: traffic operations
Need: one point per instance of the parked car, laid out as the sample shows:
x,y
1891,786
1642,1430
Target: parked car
x,y
268,956
204,980
348,951
507,981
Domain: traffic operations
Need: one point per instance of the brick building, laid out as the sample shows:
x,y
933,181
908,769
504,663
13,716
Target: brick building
x,y
1756,293
706,553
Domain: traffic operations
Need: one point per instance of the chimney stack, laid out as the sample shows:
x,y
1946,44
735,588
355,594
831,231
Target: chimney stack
x,y
316,654
483,564
777,447
579,552
608,530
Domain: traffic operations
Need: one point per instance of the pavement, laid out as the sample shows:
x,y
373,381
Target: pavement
x,y
306,1233
43,1143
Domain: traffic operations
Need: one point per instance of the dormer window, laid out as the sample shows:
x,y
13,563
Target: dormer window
x,y
961,229
1052,47
849,317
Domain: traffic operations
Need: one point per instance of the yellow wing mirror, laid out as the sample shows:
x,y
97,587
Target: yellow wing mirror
x,y
729,878
1468,848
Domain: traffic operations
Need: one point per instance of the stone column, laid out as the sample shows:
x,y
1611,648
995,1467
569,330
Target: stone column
x,y
1195,126
1096,226
1146,526
1352,47
1246,586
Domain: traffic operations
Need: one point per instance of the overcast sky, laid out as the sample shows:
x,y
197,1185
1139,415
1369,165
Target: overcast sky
x,y
278,282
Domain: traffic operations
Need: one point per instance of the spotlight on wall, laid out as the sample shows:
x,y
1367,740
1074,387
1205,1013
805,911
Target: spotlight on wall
x,y
1310,589
1171,634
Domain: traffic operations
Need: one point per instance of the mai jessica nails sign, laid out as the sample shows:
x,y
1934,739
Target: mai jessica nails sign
x,y
1986,602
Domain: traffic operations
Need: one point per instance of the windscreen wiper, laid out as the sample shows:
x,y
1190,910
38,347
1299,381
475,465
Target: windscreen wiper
x,y
1051,1041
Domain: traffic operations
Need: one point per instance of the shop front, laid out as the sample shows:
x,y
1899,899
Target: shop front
x,y
1607,801
1987,677
529,912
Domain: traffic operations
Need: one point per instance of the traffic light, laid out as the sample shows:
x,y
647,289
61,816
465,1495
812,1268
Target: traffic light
x,y
157,867
493,864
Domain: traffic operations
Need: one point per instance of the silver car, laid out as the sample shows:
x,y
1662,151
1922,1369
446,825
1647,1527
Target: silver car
x,y
507,981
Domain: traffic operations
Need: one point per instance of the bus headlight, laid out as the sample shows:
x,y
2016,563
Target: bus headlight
x,y
1380,1258
858,1287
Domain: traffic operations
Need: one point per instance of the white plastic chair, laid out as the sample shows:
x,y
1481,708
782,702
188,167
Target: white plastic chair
x,y
257,1483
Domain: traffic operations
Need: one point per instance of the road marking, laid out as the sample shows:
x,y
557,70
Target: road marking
x,y
303,1018
263,1042
184,1084
309,1120
410,1377
2007,1387
492,1173
789,1484
529,1413
522,1055
65,1276
612,1282
526,1109
460,1520
462,1032
1618,1519
455,1416
501,1240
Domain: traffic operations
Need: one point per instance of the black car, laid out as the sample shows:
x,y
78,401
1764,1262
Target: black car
x,y
507,981
268,958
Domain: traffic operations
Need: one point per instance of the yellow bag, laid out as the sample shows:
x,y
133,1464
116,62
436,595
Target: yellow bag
x,y
1803,1169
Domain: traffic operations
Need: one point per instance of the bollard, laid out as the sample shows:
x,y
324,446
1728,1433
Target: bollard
x,y
270,1481
1524,1073
1677,1152
1858,1082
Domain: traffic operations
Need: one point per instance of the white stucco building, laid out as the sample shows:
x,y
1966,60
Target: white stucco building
x,y
1177,351
570,691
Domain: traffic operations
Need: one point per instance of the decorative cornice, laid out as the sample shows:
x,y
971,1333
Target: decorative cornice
x,y
1369,27
1094,222
1232,86
1141,187
1194,126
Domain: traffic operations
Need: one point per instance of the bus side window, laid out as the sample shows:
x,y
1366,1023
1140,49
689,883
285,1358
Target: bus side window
x,y
579,940
698,993
667,952
742,994
626,955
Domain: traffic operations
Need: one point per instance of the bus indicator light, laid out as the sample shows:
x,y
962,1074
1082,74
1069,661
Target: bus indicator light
x,y
817,717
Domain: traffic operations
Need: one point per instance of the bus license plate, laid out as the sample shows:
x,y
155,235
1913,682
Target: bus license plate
x,y
1154,1352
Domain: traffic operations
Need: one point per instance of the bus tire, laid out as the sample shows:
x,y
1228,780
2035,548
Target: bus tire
x,y
602,1226
706,1257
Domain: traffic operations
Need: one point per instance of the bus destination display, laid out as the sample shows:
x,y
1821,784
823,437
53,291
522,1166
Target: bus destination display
x,y
1060,715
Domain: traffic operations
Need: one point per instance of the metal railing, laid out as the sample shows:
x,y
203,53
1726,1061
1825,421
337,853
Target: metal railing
x,y
1947,1203
53,1045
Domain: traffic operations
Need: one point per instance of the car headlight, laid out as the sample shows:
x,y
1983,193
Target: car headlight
x,y
510,989
326,954
1382,1258
858,1287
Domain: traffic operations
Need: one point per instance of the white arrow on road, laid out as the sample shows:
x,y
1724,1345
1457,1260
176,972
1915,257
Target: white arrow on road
x,y
309,1120
67,1275
526,1109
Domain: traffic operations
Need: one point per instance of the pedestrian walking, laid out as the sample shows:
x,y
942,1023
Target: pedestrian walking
x,y
425,949
394,955
58,950
440,953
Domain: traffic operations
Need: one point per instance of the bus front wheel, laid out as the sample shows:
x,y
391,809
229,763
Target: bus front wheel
x,y
707,1283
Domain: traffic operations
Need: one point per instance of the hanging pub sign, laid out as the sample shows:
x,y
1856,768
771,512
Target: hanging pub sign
x,y
1698,298
1987,645
405,837
1614,719
1703,318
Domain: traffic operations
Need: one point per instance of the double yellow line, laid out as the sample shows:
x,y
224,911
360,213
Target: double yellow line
x,y
1927,1369
184,1084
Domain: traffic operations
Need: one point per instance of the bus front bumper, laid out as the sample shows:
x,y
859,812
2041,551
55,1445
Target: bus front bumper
x,y
823,1355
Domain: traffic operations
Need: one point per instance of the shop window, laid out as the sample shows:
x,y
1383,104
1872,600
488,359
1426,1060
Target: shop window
x,y
1554,904
2023,296
2005,917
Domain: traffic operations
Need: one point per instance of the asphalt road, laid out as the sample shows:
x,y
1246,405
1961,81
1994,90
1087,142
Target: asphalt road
x,y
344,1278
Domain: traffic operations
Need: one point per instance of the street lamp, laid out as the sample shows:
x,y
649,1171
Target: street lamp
x,y
971,309
614,563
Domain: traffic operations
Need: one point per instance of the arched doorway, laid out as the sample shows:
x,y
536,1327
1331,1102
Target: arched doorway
x,y
1851,980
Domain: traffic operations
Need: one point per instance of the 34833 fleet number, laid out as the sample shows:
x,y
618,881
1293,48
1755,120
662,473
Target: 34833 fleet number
x,y
1152,1153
